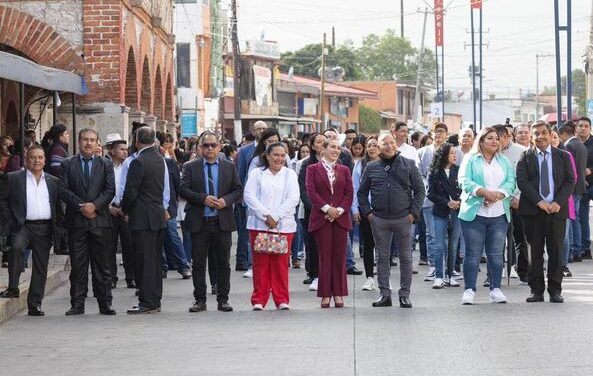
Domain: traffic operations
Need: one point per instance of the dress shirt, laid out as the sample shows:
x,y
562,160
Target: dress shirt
x,y
356,179
117,174
38,205
90,163
493,178
208,211
410,152
121,183
330,169
276,195
540,158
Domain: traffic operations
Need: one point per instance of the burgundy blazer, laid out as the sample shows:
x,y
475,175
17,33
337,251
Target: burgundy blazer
x,y
319,191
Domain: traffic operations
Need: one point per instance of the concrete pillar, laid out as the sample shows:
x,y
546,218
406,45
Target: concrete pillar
x,y
161,125
150,120
136,116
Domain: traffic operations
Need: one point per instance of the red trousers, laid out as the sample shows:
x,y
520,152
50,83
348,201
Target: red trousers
x,y
331,248
270,273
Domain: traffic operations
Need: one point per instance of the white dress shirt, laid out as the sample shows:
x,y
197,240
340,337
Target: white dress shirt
x,y
410,152
276,195
38,205
493,178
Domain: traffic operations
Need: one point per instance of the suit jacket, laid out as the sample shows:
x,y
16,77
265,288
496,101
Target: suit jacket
x,y
244,157
13,201
442,189
319,192
74,190
579,153
193,189
528,181
174,182
143,194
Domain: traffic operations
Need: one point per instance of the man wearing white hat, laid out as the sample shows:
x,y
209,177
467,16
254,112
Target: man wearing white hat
x,y
118,151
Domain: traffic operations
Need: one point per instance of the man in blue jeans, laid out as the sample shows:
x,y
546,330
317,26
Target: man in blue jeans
x,y
583,132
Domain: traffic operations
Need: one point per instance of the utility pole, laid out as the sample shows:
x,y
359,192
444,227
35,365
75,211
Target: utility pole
x,y
401,15
538,57
419,71
322,95
589,67
238,129
568,29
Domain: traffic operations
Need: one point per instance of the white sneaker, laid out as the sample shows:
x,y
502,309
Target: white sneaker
x,y
438,283
248,274
451,282
284,307
514,273
468,297
496,296
430,275
457,274
258,307
313,285
369,285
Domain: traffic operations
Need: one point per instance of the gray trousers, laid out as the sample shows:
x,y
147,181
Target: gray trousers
x,y
384,232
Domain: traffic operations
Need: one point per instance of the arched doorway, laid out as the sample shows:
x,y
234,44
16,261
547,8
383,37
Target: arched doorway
x,y
158,94
169,110
146,92
131,91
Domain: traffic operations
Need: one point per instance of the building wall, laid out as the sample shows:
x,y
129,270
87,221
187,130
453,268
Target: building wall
x,y
386,91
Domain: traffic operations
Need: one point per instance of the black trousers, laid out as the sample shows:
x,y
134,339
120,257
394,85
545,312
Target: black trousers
x,y
90,245
545,231
38,237
148,246
369,246
212,265
211,237
311,256
121,234
518,244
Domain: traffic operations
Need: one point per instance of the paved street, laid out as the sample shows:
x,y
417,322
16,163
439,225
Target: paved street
x,y
437,337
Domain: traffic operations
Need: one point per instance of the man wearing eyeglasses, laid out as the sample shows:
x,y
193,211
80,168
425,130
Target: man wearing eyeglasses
x,y
211,186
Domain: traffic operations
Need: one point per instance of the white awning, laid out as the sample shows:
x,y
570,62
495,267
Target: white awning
x,y
19,69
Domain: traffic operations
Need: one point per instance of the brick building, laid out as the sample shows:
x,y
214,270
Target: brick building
x,y
123,48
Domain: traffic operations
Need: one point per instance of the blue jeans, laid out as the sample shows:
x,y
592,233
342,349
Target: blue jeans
x,y
174,251
186,243
349,253
584,220
575,228
446,241
296,247
481,234
566,244
243,248
430,239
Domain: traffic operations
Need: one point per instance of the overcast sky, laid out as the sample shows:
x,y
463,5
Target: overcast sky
x,y
515,30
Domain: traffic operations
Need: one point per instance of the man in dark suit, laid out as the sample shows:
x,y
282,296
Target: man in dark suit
x,y
87,187
32,206
546,180
143,203
211,186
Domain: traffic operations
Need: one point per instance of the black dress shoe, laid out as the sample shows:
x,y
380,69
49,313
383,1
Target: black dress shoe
x,y
354,271
240,268
405,302
137,292
75,311
10,293
225,307
139,310
577,258
586,255
214,290
35,311
383,301
131,284
198,307
556,298
186,274
308,280
107,310
535,298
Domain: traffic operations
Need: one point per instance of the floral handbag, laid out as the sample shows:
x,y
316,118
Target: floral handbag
x,y
271,243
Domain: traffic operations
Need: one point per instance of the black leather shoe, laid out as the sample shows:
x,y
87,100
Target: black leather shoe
x,y
10,293
383,301
186,274
535,298
138,310
198,307
354,271
556,298
577,259
214,290
131,284
308,280
240,268
137,292
586,255
35,311
107,310
225,307
405,302
75,311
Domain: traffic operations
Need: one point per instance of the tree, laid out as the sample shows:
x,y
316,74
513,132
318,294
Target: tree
x,y
307,60
369,119
579,89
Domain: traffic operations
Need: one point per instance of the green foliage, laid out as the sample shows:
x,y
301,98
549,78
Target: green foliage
x,y
369,120
307,61
579,89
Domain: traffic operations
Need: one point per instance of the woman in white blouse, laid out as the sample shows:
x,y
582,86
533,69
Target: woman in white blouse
x,y
271,195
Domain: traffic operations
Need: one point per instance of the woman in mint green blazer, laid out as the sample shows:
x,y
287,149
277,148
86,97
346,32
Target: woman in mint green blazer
x,y
487,179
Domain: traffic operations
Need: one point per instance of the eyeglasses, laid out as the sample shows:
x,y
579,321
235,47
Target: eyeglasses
x,y
209,146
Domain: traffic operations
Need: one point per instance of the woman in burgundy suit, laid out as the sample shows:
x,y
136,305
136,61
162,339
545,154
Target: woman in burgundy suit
x,y
329,186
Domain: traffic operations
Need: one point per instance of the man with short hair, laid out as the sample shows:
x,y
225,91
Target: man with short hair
x,y
466,140
399,130
584,134
350,136
523,135
87,186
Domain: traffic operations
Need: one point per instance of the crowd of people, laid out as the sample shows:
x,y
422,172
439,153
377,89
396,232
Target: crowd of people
x,y
502,197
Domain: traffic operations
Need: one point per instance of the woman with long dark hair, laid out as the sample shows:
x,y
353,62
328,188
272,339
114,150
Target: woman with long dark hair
x,y
358,148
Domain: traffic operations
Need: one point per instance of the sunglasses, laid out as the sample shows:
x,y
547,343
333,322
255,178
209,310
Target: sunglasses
x,y
209,146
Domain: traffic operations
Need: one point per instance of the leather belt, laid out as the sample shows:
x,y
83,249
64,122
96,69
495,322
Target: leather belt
x,y
211,219
38,222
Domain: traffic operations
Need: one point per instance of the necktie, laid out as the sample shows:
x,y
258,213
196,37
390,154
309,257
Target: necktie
x,y
210,180
86,170
544,179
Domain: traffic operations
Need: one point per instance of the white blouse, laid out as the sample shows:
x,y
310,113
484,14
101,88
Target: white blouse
x,y
276,195
493,179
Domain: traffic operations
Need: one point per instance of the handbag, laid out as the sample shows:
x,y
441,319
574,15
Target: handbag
x,y
271,243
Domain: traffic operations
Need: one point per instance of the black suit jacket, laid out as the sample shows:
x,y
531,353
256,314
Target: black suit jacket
x,y
442,189
143,194
579,153
75,191
174,183
193,189
13,200
528,181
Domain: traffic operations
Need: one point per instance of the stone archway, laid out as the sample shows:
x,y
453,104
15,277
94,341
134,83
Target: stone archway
x,y
158,94
146,92
131,91
169,110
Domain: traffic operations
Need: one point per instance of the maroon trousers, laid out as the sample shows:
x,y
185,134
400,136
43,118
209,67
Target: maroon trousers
x,y
331,247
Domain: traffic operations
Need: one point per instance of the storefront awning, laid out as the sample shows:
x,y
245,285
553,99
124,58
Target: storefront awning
x,y
19,69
